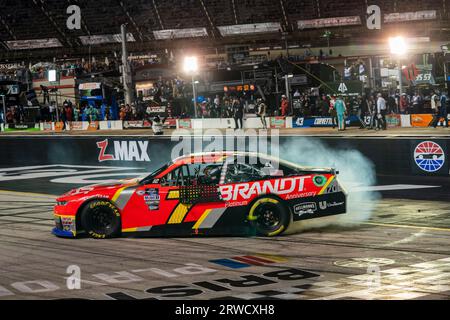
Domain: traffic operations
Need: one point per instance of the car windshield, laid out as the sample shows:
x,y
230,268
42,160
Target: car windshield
x,y
148,179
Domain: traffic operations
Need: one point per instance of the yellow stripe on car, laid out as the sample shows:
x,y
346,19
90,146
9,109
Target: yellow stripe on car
x,y
173,194
63,216
179,213
203,217
130,230
117,194
326,185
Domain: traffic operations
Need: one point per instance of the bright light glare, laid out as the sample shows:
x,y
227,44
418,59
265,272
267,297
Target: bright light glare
x,y
190,64
398,45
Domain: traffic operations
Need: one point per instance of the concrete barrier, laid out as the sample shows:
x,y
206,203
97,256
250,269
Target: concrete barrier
x,y
390,156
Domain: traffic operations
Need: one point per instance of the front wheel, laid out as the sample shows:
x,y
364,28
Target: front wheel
x,y
269,217
101,219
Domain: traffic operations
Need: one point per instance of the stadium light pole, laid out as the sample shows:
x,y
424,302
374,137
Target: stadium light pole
x,y
191,67
398,48
445,50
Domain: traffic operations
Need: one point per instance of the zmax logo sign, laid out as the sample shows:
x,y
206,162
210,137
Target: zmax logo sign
x,y
124,151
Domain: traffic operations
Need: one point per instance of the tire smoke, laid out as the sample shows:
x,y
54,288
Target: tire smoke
x,y
355,171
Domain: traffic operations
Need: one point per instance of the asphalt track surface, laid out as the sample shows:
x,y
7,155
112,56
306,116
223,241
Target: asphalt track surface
x,y
401,252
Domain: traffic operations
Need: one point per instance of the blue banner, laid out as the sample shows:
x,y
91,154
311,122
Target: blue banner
x,y
322,122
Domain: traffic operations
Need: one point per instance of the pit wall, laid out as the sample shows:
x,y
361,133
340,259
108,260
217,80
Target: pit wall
x,y
405,121
390,156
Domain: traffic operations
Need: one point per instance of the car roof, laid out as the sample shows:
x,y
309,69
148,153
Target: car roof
x,y
216,157
220,157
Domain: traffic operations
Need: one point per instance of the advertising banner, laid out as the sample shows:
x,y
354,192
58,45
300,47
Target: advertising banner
x,y
22,127
277,122
322,122
184,124
421,120
78,126
405,120
429,157
132,124
170,123
46,126
93,126
59,126
393,120
346,88
142,124
111,125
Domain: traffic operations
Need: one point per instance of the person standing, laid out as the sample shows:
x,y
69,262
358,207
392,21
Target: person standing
x,y
441,111
403,104
363,110
381,113
262,110
324,106
238,113
341,109
444,106
76,113
238,110
217,106
372,112
416,102
332,112
392,104
284,106
435,106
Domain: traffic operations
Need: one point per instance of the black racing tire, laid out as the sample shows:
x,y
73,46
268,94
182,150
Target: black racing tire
x,y
100,219
269,216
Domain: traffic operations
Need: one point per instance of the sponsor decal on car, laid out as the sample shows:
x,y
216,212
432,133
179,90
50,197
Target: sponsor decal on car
x,y
151,198
305,208
319,181
323,205
246,190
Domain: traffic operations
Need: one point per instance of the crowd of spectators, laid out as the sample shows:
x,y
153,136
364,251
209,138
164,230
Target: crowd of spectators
x,y
76,68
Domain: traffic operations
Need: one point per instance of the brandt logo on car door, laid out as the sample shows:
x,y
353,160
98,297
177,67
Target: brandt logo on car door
x,y
429,157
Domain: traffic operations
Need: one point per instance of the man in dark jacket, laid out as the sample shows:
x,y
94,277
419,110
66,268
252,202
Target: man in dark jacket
x,y
238,110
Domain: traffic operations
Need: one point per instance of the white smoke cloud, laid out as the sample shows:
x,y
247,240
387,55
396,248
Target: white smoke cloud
x,y
355,171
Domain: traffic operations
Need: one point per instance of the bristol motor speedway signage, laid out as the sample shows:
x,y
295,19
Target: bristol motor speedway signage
x,y
322,122
429,157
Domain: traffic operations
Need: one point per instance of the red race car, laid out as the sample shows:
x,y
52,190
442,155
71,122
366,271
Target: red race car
x,y
226,193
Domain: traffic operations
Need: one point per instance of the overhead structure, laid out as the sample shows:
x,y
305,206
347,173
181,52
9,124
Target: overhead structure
x,y
126,72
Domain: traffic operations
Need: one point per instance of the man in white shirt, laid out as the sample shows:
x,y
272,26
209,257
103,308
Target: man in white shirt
x,y
436,109
381,112
435,103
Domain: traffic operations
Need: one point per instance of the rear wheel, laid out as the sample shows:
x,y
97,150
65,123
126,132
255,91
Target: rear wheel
x,y
101,219
269,217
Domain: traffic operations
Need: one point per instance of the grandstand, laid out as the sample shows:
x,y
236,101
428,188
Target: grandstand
x,y
201,23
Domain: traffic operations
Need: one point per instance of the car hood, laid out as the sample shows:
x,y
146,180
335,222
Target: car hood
x,y
104,188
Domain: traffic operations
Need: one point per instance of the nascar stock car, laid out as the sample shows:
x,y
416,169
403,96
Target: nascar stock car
x,y
225,193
